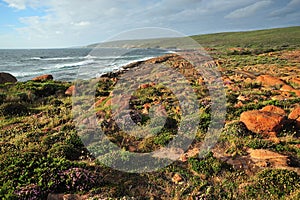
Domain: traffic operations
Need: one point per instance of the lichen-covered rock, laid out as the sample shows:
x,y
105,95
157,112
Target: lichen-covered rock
x,y
265,158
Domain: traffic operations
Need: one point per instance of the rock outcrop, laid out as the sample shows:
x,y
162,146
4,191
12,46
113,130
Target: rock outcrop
x,y
45,77
266,158
7,78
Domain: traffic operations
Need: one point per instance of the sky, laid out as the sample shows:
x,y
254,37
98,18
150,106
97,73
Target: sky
x,y
69,23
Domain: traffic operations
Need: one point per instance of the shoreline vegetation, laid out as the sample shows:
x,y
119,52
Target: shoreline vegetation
x,y
257,154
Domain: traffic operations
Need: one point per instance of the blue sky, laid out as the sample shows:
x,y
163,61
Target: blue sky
x,y
66,23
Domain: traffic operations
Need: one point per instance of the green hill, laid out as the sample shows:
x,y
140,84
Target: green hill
x,y
280,37
276,38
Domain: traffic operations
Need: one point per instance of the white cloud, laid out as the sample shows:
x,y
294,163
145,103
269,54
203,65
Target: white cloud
x,y
22,4
18,4
291,8
248,10
82,23
78,22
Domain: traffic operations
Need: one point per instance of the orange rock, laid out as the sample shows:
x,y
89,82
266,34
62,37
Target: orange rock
x,y
297,92
108,103
295,115
262,122
287,88
70,91
278,97
100,114
99,102
176,178
227,81
146,108
242,98
132,148
152,84
144,86
45,77
239,104
267,80
200,81
273,109
286,94
295,81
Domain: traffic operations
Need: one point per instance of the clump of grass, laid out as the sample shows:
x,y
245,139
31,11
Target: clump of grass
x,y
208,165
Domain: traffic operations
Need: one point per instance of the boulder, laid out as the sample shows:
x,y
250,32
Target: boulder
x,y
295,115
7,78
45,77
267,80
273,109
70,91
255,160
290,89
263,122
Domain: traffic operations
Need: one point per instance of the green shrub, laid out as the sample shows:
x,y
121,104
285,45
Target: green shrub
x,y
14,109
236,129
2,97
273,184
259,144
22,96
67,151
32,176
207,165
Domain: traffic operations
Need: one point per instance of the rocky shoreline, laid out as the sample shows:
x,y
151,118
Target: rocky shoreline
x,y
258,152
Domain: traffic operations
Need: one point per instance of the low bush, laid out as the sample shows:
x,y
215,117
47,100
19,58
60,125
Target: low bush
x,y
273,184
14,109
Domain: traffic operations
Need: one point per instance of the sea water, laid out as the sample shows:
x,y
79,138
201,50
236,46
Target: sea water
x,y
66,64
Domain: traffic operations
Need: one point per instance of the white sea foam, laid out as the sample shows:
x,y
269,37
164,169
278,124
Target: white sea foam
x,y
24,74
76,64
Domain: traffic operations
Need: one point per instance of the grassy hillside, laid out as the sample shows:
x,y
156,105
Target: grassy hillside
x,y
272,38
275,38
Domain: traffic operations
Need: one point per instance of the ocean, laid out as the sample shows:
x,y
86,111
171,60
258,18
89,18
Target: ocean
x,y
70,64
